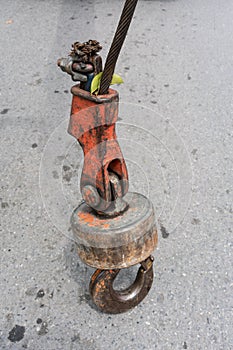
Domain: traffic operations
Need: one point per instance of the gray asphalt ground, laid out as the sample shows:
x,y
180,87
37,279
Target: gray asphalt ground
x,y
175,129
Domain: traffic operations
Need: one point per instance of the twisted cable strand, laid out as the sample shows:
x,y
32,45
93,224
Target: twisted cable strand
x,y
118,40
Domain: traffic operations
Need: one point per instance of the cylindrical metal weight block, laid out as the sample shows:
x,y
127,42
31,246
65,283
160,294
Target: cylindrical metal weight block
x,y
116,242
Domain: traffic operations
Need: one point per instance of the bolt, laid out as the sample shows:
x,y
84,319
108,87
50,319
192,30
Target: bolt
x,y
90,195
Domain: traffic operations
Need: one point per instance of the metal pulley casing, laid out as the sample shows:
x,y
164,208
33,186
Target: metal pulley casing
x,y
115,242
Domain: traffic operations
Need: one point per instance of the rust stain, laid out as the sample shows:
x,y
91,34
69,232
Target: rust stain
x,y
106,225
90,220
87,218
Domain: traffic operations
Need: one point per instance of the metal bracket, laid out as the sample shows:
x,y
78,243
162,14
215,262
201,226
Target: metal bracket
x,y
92,123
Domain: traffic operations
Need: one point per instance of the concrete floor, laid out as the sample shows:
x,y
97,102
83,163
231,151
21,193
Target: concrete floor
x,y
175,129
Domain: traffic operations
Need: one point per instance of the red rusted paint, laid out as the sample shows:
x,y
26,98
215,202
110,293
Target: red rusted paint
x,y
92,123
92,221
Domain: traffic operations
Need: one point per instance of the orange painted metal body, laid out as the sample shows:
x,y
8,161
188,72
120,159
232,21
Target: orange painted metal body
x,y
92,123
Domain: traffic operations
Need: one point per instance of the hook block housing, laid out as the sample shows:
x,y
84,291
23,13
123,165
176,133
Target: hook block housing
x,y
117,242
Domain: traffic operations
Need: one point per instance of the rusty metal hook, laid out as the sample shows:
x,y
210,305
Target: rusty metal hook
x,y
111,301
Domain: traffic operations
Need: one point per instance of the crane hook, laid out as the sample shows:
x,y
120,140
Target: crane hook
x,y
112,301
